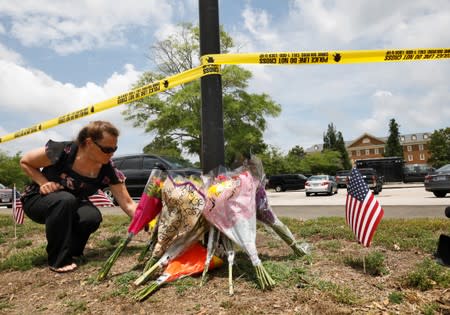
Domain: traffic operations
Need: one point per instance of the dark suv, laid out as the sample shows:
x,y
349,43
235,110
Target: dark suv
x,y
374,181
137,169
342,178
283,182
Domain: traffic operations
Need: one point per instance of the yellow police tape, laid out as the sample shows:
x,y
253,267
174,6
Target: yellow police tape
x,y
210,64
329,57
127,97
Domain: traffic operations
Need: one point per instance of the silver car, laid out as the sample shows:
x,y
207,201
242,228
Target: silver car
x,y
321,184
438,181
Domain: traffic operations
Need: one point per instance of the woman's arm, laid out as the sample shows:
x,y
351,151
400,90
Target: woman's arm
x,y
31,164
123,198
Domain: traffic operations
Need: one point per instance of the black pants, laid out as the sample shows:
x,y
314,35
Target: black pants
x,y
68,224
443,250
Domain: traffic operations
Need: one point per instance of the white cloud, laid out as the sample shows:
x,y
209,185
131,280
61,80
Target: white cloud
x,y
10,55
33,95
74,26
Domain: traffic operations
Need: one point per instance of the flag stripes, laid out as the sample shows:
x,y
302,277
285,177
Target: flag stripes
x,y
100,199
363,213
18,214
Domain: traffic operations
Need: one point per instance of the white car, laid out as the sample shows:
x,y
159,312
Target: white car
x,y
321,184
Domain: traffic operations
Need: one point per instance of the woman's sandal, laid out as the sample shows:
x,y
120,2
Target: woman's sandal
x,y
64,269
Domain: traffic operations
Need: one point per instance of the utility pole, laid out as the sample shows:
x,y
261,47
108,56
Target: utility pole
x,y
212,137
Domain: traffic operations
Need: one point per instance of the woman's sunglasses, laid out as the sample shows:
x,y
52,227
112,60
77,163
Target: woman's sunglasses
x,y
107,150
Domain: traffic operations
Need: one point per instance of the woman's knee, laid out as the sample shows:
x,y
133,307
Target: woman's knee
x,y
66,198
90,217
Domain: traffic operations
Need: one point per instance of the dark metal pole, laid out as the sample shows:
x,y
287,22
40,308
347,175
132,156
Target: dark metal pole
x,y
212,151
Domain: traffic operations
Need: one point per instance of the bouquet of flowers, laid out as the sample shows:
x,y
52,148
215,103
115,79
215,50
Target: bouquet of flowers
x,y
148,208
230,206
182,205
265,215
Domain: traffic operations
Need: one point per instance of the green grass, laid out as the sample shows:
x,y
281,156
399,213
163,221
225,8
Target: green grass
x,y
24,259
329,235
339,293
396,297
428,274
373,263
421,233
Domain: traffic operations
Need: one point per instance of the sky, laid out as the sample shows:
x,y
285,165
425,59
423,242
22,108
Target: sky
x,y
60,56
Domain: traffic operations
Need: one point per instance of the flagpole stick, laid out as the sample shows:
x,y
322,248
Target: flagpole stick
x,y
14,208
364,262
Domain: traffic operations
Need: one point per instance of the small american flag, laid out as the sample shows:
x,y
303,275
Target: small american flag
x,y
362,210
17,208
100,199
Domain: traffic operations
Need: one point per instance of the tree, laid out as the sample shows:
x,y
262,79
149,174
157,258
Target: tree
x,y
176,113
334,141
329,138
273,161
10,171
393,146
297,152
341,148
163,146
327,162
439,147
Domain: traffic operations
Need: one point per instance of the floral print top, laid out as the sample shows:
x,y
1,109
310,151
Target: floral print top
x,y
62,155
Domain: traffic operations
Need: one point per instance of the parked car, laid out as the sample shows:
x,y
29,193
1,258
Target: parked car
x,y
372,179
438,181
317,184
416,172
137,169
6,196
283,182
342,177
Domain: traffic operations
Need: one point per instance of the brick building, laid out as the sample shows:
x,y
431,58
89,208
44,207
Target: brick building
x,y
367,146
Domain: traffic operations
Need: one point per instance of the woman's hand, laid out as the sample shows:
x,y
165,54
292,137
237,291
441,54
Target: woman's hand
x,y
49,187
123,198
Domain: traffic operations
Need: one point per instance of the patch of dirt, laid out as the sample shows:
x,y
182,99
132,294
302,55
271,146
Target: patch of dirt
x,y
332,287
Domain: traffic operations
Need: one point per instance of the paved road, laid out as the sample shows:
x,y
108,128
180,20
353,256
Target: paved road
x,y
398,201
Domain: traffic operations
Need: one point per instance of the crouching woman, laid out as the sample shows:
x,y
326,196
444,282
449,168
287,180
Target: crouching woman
x,y
64,174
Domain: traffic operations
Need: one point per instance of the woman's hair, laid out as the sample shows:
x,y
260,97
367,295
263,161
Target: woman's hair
x,y
95,129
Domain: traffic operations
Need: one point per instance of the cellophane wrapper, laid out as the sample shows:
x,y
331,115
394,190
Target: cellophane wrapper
x,y
150,204
182,205
190,262
230,206
148,208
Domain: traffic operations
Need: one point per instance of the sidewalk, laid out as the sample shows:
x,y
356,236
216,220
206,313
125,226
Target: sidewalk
x,y
394,185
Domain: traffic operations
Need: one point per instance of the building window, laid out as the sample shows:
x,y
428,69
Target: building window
x,y
402,138
377,151
366,140
367,151
420,147
410,157
425,135
422,156
350,153
358,153
414,137
409,148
